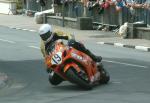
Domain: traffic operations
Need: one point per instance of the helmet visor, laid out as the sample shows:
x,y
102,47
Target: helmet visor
x,y
46,35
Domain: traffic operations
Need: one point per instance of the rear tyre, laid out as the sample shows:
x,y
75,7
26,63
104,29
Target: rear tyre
x,y
104,75
73,77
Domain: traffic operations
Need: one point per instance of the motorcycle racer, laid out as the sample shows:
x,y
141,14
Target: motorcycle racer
x,y
48,37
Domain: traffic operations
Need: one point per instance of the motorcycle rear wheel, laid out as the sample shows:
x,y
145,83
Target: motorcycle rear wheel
x,y
73,77
105,78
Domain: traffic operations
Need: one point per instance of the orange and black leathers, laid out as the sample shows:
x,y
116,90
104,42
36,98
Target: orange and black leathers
x,y
51,43
57,35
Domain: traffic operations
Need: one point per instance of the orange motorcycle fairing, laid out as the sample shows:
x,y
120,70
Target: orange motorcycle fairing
x,y
74,65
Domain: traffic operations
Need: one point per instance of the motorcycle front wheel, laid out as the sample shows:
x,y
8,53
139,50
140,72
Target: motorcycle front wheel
x,y
73,77
55,79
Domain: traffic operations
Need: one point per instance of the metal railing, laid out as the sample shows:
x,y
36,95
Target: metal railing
x,y
32,5
110,15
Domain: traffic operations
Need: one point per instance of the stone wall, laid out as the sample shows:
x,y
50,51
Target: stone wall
x,y
139,31
82,23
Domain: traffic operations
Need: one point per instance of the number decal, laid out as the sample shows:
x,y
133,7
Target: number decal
x,y
57,58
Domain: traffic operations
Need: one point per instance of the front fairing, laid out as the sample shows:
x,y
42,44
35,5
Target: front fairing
x,y
54,55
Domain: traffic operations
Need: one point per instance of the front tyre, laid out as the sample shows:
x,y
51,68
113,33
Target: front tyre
x,y
73,77
55,79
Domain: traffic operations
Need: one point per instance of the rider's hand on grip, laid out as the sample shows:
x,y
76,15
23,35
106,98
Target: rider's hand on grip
x,y
71,37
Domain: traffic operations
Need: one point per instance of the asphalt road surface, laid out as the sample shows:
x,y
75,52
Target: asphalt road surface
x,y
21,60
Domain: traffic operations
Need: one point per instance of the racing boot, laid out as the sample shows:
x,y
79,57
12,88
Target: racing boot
x,y
97,58
94,57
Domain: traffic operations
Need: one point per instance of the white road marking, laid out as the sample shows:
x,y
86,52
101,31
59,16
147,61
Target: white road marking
x,y
25,29
18,28
118,44
134,65
35,47
33,30
100,42
142,48
4,40
17,86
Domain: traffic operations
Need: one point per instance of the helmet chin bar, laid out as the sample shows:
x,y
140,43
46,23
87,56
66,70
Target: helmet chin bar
x,y
45,36
49,39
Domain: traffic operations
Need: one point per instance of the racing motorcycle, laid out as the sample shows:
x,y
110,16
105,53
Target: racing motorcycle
x,y
75,66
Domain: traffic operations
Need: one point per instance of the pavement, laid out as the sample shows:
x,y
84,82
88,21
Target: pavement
x,y
21,22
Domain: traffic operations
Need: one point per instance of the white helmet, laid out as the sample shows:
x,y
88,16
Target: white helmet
x,y
45,31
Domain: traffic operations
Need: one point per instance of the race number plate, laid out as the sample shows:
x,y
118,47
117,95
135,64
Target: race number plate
x,y
57,58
